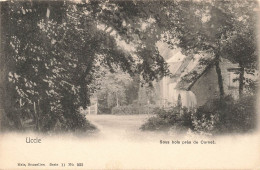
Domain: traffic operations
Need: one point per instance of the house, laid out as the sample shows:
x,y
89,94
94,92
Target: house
x,y
202,81
194,82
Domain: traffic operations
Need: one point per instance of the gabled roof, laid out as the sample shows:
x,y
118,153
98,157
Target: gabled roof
x,y
194,70
177,57
186,70
168,53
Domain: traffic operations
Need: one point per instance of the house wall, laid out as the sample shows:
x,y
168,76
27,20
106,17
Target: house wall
x,y
230,87
161,91
207,88
167,95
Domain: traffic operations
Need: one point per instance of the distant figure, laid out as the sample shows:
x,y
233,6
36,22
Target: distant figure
x,y
184,98
179,103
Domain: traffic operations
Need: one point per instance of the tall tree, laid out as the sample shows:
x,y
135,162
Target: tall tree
x,y
55,61
201,26
240,46
205,26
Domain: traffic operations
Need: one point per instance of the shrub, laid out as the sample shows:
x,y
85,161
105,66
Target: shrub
x,y
122,110
214,117
173,117
226,116
204,125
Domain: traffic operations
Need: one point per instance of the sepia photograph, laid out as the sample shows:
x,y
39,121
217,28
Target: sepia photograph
x,y
129,84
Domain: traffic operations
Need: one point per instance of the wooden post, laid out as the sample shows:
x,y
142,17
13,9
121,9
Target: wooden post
x,y
117,103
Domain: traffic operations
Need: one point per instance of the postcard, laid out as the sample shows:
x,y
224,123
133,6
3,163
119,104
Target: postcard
x,y
129,84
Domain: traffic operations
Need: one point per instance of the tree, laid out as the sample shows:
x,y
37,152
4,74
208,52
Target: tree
x,y
19,23
55,59
206,26
210,24
241,44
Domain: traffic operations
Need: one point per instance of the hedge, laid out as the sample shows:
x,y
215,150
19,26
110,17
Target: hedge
x,y
133,109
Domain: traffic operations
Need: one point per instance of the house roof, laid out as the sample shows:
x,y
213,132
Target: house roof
x,y
192,70
186,70
170,55
177,57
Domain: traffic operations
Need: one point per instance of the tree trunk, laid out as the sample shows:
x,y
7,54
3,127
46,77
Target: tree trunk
x,y
36,116
83,93
117,102
241,80
220,79
5,92
84,80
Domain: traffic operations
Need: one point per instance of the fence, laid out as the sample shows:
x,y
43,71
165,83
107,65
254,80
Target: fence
x,y
91,110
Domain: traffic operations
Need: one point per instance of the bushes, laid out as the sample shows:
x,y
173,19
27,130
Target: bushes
x,y
123,110
174,117
133,109
226,116
83,125
215,117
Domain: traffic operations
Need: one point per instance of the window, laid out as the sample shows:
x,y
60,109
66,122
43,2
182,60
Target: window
x,y
233,79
